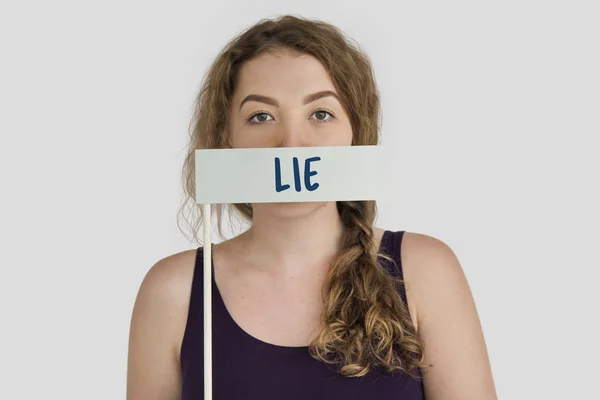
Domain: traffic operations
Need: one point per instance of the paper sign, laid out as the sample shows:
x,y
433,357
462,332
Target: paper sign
x,y
288,174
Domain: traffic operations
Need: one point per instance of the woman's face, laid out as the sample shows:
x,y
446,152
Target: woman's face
x,y
286,99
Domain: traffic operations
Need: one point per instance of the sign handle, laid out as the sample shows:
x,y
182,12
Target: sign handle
x,y
207,302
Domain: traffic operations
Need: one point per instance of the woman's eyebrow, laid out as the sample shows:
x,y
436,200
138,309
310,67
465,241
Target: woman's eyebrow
x,y
269,100
319,95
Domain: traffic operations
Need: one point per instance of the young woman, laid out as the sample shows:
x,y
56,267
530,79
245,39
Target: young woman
x,y
312,301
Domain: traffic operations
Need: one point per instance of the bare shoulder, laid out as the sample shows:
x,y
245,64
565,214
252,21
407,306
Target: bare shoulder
x,y
170,281
424,247
171,274
448,321
157,325
430,268
422,257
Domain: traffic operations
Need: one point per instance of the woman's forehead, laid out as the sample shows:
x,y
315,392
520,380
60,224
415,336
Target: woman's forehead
x,y
282,74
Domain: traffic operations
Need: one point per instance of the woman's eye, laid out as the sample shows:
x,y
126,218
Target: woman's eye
x,y
259,117
322,115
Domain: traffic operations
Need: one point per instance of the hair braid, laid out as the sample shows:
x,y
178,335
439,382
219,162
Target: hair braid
x,y
363,324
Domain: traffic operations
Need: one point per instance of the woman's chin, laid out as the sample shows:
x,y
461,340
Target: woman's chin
x,y
289,209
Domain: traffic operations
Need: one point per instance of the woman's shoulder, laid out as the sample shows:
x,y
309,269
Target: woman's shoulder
x,y
437,288
428,265
423,247
166,289
427,259
448,320
171,274
170,281
157,321
421,253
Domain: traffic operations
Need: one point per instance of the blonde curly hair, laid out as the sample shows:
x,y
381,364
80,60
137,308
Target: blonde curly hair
x,y
366,324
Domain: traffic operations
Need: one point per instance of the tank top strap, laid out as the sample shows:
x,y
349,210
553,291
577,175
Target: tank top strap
x,y
197,294
391,243
194,329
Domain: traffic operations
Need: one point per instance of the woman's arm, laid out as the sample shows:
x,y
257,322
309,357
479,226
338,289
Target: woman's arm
x,y
153,369
448,322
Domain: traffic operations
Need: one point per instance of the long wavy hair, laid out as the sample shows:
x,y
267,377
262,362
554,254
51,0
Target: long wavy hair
x,y
365,322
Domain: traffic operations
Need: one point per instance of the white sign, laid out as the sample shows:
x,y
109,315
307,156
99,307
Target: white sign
x,y
288,174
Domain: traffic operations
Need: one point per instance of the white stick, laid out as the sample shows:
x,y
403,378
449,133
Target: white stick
x,y
207,303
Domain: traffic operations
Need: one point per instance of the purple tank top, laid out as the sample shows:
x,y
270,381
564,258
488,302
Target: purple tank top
x,y
246,368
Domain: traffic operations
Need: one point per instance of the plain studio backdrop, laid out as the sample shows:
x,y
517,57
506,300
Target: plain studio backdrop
x,y
490,122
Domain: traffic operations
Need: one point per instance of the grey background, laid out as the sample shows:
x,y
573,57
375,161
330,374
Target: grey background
x,y
491,107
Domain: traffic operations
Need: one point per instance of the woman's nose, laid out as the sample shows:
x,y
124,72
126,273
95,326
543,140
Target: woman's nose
x,y
291,137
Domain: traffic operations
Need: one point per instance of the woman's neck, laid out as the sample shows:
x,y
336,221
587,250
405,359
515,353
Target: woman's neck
x,y
296,236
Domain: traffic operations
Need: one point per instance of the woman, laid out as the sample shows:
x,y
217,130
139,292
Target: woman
x,y
312,301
